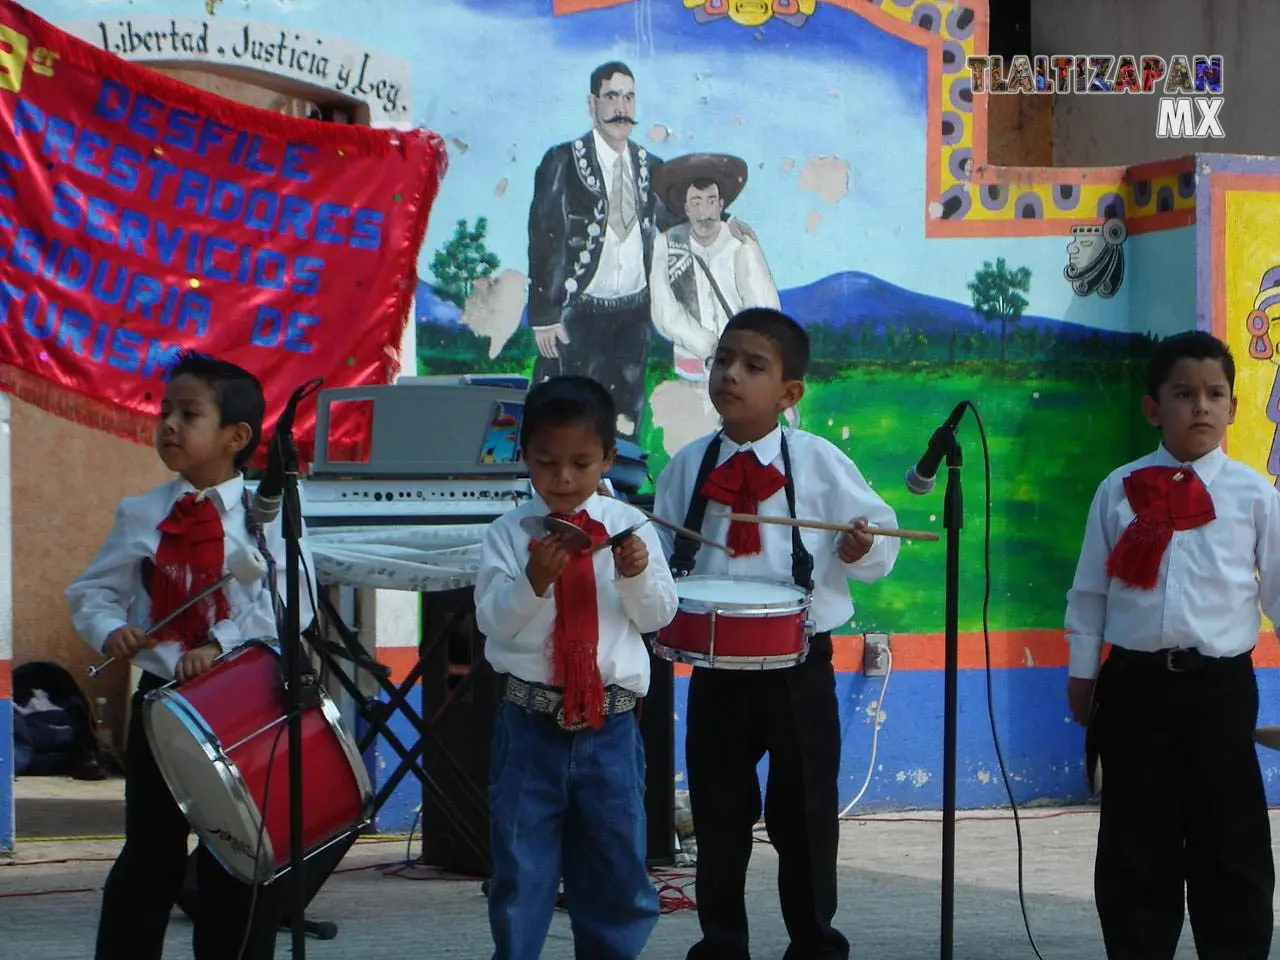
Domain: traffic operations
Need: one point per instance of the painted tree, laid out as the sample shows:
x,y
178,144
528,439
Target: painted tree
x,y
997,295
462,261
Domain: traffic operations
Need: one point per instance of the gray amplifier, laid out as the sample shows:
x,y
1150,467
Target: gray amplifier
x,y
421,427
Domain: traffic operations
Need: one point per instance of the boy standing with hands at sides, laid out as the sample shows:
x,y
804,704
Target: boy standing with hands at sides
x,y
164,548
1180,549
566,782
735,717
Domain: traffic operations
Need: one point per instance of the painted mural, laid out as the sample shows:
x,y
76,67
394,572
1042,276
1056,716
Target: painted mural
x,y
691,159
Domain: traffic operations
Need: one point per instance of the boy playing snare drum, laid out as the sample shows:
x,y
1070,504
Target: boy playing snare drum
x,y
735,716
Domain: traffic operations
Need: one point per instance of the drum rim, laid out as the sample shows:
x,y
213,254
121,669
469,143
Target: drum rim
x,y
228,773
779,661
800,602
329,710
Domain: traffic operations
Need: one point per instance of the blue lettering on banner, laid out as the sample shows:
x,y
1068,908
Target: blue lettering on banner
x,y
9,165
103,292
273,329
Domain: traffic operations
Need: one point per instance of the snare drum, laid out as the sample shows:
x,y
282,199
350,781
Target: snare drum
x,y
737,623
222,742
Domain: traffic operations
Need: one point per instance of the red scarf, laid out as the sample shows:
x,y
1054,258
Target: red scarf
x,y
1164,499
576,639
189,559
741,483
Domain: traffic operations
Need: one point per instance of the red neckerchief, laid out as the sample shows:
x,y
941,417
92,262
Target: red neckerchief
x,y
189,559
741,483
1164,499
575,641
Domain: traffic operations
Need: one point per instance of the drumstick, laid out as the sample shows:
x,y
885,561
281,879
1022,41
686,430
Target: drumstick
x,y
840,527
683,531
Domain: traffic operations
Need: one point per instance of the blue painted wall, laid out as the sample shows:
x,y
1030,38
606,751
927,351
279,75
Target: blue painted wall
x,y
6,776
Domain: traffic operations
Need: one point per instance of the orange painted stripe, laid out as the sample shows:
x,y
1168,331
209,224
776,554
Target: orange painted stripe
x,y
1010,649
562,8
1159,168
6,679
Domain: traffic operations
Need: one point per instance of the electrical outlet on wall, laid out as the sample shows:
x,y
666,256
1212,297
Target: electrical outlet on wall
x,y
875,654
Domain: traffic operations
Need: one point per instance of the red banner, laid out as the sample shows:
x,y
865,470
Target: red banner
x,y
140,216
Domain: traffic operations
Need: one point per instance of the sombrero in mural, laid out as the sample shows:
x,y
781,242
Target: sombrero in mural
x,y
671,180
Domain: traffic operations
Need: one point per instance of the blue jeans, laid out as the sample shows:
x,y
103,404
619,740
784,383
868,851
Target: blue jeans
x,y
568,805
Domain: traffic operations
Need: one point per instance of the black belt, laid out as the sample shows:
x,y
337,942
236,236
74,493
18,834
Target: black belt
x,y
549,701
1176,660
631,301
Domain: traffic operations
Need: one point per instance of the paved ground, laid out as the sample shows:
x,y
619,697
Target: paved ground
x,y
889,891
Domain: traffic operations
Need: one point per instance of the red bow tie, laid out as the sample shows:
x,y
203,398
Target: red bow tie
x,y
576,639
742,482
188,559
1164,499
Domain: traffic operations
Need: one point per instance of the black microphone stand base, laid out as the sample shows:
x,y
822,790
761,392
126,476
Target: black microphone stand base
x,y
953,521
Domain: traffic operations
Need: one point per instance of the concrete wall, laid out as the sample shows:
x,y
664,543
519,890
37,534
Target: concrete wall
x,y
1114,130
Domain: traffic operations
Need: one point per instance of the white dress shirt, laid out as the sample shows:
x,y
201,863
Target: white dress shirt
x,y
1212,578
828,487
518,624
620,267
110,593
743,277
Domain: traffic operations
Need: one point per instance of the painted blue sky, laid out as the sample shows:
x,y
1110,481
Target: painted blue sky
x,y
507,81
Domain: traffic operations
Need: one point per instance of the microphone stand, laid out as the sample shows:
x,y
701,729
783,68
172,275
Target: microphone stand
x,y
300,692
952,521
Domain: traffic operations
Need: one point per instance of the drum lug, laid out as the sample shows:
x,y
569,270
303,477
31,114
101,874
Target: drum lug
x,y
809,627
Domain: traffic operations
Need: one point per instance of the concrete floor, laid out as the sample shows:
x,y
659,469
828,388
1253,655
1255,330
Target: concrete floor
x,y
889,904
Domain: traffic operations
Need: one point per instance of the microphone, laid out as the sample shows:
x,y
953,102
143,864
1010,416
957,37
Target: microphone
x,y
921,477
267,499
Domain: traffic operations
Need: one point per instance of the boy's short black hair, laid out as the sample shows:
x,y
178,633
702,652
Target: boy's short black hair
x,y
782,331
560,401
1192,345
238,392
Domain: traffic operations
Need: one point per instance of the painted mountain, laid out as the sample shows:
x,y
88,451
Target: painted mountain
x,y
856,302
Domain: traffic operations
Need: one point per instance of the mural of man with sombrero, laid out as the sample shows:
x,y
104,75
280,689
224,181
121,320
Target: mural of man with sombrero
x,y
702,274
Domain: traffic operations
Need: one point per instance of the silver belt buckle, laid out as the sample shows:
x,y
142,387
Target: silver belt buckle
x,y
567,727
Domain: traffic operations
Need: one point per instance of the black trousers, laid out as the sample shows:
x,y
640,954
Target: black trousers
x,y
612,347
1182,804
147,877
734,718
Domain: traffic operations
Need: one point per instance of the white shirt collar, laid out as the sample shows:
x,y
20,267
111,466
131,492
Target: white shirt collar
x,y
591,505
766,449
1206,467
606,155
226,494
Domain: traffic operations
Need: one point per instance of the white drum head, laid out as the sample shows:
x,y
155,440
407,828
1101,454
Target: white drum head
x,y
207,787
738,591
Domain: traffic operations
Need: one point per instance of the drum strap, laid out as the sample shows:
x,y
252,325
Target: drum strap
x,y
685,554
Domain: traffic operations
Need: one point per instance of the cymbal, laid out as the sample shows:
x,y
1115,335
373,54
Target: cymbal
x,y
539,528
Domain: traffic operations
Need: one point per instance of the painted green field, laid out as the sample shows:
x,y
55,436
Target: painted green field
x,y
1052,436
1052,441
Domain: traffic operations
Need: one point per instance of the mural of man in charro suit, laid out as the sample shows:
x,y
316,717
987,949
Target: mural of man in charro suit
x,y
591,227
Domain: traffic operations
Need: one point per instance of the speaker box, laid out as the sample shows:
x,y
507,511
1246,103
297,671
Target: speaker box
x,y
452,661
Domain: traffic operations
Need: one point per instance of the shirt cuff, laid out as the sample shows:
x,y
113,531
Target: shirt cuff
x,y
524,602
226,634
1085,656
102,627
